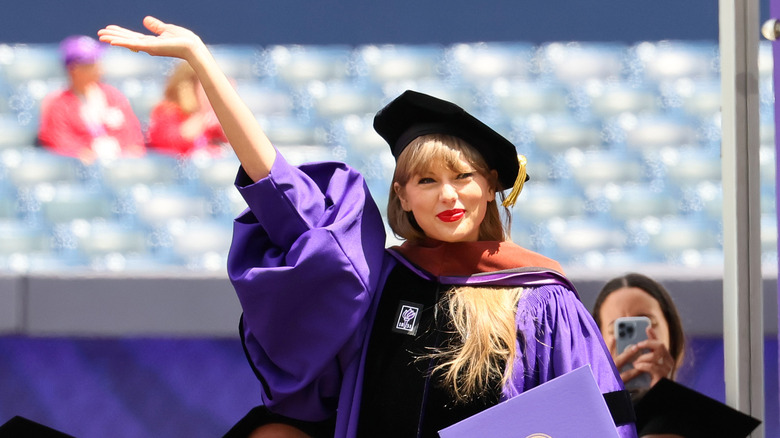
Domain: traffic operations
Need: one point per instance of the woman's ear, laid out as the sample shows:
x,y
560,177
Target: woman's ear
x,y
493,183
399,191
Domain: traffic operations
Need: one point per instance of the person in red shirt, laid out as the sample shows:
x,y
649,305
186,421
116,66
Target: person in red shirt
x,y
184,122
89,119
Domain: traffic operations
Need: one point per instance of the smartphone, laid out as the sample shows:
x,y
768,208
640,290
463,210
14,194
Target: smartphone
x,y
630,330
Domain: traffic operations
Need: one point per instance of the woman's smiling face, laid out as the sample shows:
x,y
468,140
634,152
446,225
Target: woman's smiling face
x,y
448,205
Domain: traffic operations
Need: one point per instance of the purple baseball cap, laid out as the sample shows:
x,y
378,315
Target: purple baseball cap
x,y
80,49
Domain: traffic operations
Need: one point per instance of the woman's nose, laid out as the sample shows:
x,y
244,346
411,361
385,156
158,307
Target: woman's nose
x,y
448,192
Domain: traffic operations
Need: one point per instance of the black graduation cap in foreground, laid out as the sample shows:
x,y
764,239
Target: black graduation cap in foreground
x,y
20,427
669,407
413,114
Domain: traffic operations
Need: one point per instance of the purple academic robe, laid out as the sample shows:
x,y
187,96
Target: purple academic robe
x,y
308,263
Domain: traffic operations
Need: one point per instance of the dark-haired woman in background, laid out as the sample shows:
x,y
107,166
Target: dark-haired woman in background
x,y
639,295
665,409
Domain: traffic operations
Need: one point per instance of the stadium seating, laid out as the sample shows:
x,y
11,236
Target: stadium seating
x,y
622,143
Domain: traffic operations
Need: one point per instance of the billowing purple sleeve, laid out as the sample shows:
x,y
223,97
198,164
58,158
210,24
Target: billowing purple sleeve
x,y
304,262
559,335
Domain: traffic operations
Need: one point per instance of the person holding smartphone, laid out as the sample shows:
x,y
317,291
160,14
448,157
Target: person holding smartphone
x,y
661,353
643,331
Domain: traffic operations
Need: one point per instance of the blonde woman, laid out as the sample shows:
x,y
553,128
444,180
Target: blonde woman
x,y
183,122
350,339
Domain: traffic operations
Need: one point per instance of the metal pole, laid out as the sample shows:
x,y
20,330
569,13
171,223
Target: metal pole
x,y
742,294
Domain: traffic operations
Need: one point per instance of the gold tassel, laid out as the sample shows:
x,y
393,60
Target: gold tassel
x,y
519,182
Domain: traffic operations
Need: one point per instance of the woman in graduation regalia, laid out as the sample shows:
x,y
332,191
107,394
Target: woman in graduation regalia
x,y
350,339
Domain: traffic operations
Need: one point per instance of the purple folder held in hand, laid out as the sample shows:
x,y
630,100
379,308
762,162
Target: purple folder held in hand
x,y
569,406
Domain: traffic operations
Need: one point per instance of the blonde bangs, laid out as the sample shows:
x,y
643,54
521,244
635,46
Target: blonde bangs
x,y
443,150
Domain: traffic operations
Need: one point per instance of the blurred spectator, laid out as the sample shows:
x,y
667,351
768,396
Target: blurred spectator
x,y
89,119
184,121
638,295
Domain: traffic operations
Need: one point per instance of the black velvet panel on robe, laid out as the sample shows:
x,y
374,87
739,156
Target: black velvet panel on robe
x,y
400,398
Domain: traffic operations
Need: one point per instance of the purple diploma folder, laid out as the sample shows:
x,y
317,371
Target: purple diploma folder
x,y
569,406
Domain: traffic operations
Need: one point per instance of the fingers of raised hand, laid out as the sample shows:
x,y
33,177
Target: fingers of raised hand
x,y
118,36
153,24
114,31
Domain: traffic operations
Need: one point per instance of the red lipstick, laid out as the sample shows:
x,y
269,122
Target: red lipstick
x,y
451,215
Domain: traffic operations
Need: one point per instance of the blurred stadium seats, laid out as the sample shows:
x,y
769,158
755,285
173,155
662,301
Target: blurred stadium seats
x,y
622,142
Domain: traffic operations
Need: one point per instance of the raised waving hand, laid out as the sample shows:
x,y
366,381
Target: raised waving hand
x,y
244,134
168,39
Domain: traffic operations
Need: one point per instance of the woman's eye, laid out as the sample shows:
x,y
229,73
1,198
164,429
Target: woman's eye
x,y
425,181
465,175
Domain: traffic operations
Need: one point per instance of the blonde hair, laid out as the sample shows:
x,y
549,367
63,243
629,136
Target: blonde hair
x,y
447,150
180,88
484,347
482,318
